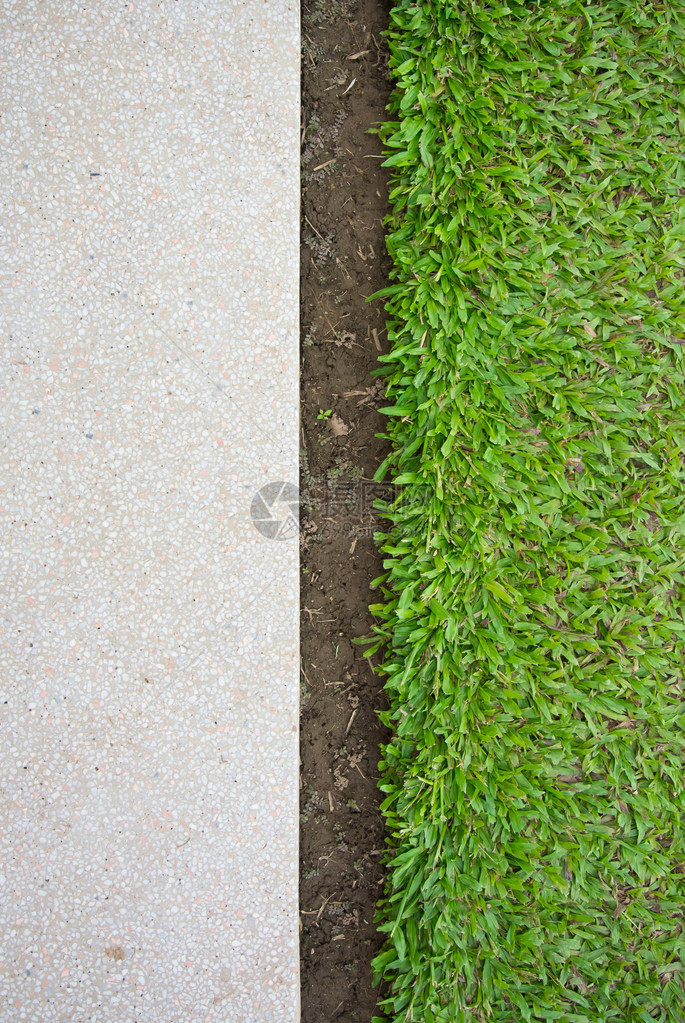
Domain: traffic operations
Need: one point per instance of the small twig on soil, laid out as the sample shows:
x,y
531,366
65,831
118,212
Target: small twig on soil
x,y
319,911
317,233
356,56
379,55
323,240
323,906
323,311
305,676
349,723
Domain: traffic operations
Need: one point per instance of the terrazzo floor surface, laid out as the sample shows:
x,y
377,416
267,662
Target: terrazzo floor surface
x,y
149,425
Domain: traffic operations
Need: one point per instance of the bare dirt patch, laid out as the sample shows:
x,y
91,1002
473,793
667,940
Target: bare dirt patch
x,y
345,88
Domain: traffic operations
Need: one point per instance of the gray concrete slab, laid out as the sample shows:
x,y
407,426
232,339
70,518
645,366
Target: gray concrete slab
x,y
149,655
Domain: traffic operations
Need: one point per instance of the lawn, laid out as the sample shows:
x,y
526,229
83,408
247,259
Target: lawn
x,y
531,614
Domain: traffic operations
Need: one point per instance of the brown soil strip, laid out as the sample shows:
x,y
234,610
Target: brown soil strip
x,y
345,88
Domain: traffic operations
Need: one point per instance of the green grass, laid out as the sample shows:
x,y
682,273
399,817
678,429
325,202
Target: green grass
x,y
532,615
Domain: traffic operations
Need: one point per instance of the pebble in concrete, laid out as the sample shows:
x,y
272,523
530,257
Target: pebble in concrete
x,y
148,660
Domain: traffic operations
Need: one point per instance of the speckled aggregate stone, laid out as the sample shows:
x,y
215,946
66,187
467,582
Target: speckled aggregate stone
x,y
149,659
